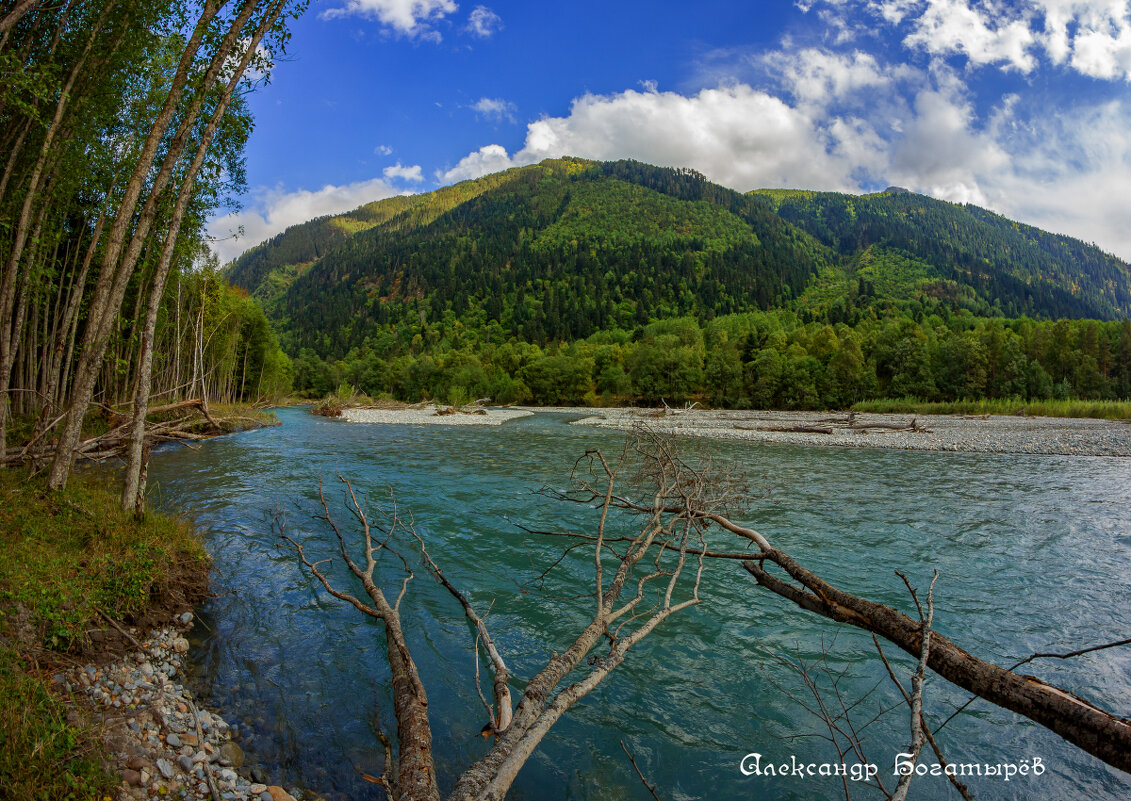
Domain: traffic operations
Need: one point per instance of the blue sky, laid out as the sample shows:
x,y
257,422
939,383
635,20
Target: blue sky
x,y
1023,107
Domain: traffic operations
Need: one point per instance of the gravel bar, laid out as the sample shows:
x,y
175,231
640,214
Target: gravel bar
x,y
428,417
959,433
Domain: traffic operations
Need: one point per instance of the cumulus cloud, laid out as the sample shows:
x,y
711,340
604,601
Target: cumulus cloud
x,y
1092,37
818,75
735,134
849,122
483,22
401,172
1069,173
484,161
273,211
494,108
408,17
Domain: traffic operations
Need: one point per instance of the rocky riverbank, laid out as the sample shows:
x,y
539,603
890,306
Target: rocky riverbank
x,y
956,433
164,745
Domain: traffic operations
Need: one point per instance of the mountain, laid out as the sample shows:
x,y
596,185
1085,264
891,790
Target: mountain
x,y
903,240
566,248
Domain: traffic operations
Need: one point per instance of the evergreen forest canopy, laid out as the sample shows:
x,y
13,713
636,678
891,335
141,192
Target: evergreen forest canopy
x,y
574,281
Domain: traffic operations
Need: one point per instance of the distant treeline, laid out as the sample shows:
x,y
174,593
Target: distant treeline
x,y
769,359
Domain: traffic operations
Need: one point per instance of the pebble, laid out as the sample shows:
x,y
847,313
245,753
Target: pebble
x,y
947,433
166,758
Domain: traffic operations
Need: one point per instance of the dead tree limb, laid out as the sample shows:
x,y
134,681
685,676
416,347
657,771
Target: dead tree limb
x,y
1090,728
962,789
414,778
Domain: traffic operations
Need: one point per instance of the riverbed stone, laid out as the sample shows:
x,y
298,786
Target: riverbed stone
x,y
279,794
166,768
173,740
231,755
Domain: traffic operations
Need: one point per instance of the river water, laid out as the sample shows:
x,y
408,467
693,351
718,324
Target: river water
x,y
1034,554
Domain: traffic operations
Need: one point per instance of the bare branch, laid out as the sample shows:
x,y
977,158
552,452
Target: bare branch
x,y
651,788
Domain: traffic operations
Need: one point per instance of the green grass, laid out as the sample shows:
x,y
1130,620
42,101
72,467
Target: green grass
x,y
68,557
42,756
1105,410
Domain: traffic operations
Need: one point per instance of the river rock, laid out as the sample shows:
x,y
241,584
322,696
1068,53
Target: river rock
x,y
131,777
185,618
181,645
173,740
279,794
231,754
186,763
166,768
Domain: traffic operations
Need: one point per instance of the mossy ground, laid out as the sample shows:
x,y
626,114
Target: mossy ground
x,y
70,560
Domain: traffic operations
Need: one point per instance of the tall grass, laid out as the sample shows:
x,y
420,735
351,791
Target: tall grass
x,y
1101,409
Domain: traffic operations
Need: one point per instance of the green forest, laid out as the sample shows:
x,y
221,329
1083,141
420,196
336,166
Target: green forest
x,y
577,282
124,126
764,360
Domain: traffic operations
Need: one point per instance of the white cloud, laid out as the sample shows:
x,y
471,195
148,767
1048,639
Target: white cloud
x,y
1092,37
483,22
383,150
1071,174
983,34
408,17
404,173
818,75
273,211
856,124
494,107
484,161
736,135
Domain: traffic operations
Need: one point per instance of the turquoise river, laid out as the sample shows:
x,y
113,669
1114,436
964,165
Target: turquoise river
x,y
1034,554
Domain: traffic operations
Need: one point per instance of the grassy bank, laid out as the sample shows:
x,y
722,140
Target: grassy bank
x,y
71,559
1104,410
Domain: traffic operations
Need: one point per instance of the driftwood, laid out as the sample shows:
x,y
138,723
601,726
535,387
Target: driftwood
x,y
186,429
789,429
833,425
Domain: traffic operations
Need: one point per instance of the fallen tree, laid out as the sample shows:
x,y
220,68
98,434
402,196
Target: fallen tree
x,y
681,519
184,422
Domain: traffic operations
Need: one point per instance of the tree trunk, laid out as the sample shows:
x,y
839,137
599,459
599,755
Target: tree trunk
x,y
16,14
110,287
133,486
1079,722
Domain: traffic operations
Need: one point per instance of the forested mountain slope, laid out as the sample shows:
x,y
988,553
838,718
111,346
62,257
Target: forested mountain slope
x,y
554,251
566,248
961,252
